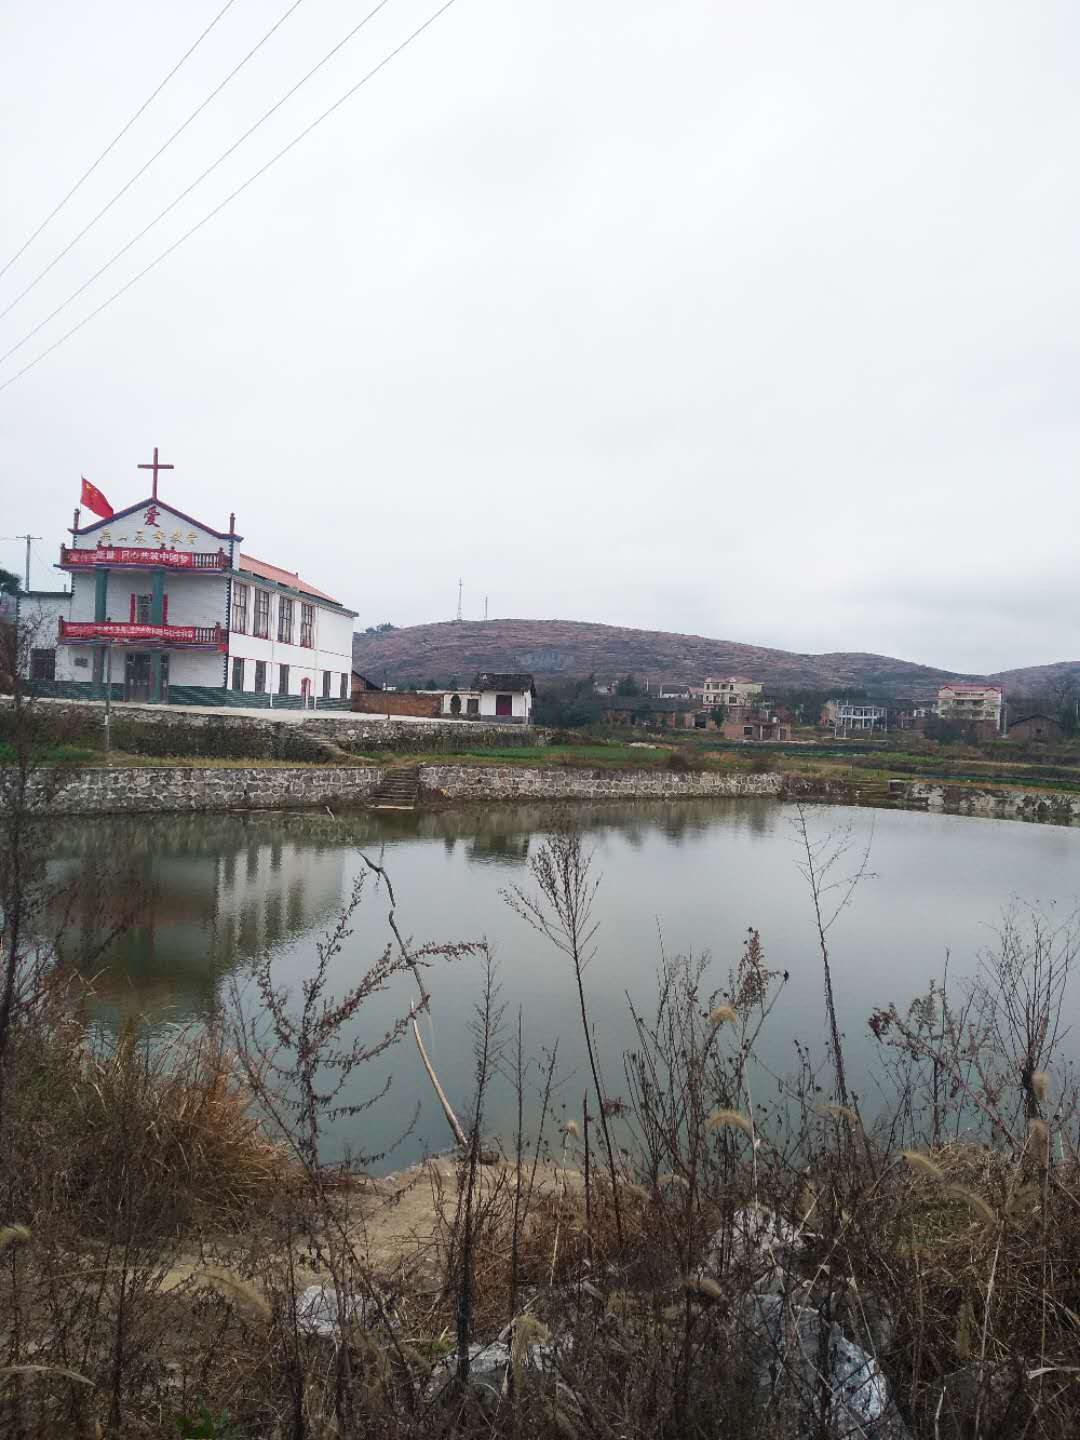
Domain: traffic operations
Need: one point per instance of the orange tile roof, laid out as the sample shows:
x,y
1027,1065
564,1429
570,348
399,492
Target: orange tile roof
x,y
282,577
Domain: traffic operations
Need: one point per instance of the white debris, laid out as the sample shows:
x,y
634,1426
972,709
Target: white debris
x,y
319,1311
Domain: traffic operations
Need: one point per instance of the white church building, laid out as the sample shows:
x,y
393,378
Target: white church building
x,y
166,608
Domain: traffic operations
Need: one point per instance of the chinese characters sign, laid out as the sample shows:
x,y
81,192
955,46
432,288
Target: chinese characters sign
x,y
136,556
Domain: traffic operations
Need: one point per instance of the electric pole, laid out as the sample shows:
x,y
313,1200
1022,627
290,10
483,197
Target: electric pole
x,y
28,539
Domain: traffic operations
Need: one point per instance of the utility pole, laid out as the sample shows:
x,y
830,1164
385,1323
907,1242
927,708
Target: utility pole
x,y
28,539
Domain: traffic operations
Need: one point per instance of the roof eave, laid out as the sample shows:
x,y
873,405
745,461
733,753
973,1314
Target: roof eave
x,y
249,577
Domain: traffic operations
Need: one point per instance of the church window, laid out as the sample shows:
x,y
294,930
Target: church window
x,y
262,614
285,620
239,608
43,664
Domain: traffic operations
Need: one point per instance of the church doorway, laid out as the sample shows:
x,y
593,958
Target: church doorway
x,y
137,676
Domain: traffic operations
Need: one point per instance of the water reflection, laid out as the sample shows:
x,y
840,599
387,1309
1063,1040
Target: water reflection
x,y
195,897
207,894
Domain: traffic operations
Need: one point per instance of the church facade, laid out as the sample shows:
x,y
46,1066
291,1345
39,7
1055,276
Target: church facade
x,y
167,608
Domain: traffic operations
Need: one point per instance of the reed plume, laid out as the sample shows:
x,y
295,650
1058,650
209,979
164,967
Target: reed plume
x,y
734,1118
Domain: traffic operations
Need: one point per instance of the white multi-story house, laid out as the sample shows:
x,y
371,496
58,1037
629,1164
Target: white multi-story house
x,y
165,608
848,715
980,704
730,690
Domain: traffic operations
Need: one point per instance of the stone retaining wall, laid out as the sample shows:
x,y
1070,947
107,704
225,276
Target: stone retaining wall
x,y
346,728
157,789
160,789
1041,806
172,788
512,782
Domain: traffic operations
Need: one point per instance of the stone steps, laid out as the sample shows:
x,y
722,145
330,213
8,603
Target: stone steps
x,y
399,790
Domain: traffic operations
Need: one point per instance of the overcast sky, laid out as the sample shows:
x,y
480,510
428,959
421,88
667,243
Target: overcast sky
x,y
756,320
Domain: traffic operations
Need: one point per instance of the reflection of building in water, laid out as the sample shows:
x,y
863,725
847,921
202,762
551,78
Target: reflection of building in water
x,y
189,903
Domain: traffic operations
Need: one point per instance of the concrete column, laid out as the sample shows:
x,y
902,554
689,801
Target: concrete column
x,y
157,613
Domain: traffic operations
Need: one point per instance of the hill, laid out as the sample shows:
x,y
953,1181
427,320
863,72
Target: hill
x,y
551,648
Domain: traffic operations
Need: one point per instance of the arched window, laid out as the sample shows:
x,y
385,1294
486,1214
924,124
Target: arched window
x,y
455,704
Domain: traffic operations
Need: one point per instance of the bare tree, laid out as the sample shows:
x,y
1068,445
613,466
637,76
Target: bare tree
x,y
830,893
563,913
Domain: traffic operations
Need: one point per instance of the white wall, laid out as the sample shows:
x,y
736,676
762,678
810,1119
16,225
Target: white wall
x,y
521,703
193,599
41,617
188,667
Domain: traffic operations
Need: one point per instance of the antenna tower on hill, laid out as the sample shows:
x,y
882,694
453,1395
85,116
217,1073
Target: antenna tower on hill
x,y
459,599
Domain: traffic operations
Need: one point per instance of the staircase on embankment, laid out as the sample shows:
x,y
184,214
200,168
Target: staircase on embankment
x,y
398,791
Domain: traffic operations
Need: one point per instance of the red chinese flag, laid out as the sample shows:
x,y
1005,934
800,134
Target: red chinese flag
x,y
94,500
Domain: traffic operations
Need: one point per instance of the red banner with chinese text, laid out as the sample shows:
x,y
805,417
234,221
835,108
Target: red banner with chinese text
x,y
134,555
125,632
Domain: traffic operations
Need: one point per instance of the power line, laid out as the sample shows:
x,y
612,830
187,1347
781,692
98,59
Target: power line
x,y
117,138
414,35
160,151
197,181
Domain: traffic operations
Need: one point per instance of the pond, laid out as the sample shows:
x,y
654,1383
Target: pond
x,y
210,894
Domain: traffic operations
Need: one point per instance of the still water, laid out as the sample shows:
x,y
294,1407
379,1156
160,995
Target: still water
x,y
211,894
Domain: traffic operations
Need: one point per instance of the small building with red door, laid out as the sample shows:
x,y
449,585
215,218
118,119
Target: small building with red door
x,y
494,695
165,608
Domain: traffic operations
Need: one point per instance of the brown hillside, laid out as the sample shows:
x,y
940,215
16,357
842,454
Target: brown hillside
x,y
551,648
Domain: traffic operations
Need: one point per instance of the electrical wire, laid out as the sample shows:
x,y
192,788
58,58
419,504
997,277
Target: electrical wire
x,y
160,151
196,182
414,35
117,138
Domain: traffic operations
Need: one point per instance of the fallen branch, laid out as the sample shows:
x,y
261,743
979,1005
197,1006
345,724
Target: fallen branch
x,y
455,1125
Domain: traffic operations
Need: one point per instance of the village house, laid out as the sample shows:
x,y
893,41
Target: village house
x,y
649,712
755,724
506,696
166,608
1038,726
982,705
729,690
